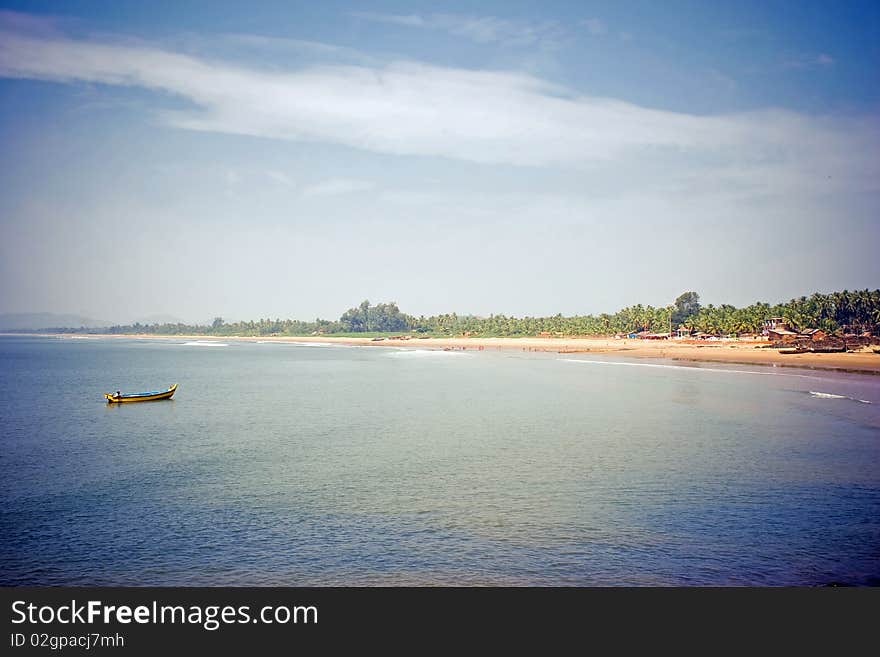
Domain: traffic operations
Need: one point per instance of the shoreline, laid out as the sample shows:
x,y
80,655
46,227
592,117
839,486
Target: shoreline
x,y
739,353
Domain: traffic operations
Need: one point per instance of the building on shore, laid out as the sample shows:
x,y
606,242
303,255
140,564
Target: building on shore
x,y
781,335
774,324
647,335
777,329
816,335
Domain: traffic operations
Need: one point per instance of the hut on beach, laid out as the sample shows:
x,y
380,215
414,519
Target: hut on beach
x,y
774,323
777,329
816,335
781,335
647,335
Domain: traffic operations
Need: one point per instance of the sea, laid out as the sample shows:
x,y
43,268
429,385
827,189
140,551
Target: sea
x,y
283,464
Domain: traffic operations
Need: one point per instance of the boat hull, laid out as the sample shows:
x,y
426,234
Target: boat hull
x,y
142,397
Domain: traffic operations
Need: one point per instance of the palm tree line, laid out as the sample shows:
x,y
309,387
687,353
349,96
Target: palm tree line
x,y
837,312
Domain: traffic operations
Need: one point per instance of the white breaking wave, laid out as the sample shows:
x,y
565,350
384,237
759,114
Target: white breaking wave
x,y
818,395
420,353
685,367
290,343
204,343
828,395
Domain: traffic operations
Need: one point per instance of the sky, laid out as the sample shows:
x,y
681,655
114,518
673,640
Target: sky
x,y
291,159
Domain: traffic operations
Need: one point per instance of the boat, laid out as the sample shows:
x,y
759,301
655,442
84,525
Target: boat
x,y
156,395
814,350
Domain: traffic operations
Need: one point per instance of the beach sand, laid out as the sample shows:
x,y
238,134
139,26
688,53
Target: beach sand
x,y
746,352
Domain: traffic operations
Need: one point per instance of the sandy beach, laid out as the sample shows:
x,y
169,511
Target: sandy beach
x,y
734,352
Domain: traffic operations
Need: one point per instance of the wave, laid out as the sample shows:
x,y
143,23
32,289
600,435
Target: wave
x,y
420,353
685,367
828,395
204,343
326,345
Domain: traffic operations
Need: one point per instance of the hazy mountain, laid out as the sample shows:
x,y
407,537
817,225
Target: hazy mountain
x,y
21,321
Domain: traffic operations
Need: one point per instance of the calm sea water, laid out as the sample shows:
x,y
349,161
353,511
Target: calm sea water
x,y
279,464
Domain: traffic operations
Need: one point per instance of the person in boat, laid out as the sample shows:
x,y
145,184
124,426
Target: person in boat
x,y
118,394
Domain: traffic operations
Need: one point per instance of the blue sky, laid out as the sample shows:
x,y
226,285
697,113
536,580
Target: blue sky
x,y
196,159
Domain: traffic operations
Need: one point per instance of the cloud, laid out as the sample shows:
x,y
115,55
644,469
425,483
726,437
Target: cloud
x,y
411,20
822,60
46,26
595,26
480,29
337,187
279,177
285,47
485,117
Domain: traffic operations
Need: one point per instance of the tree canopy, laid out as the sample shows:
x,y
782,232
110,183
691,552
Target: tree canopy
x,y
844,311
686,306
385,317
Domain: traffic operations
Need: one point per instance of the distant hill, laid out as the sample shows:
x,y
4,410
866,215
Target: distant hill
x,y
35,321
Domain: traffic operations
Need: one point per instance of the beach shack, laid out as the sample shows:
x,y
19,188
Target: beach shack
x,y
773,324
648,335
816,335
781,335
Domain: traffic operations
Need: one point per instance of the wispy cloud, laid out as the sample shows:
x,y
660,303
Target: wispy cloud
x,y
292,47
812,61
279,177
46,26
595,26
338,186
410,20
480,29
485,117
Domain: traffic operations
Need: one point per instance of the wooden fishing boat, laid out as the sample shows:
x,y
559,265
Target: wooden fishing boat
x,y
814,350
116,398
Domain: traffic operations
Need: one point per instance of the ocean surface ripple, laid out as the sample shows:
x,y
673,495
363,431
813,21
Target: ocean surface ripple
x,y
303,466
